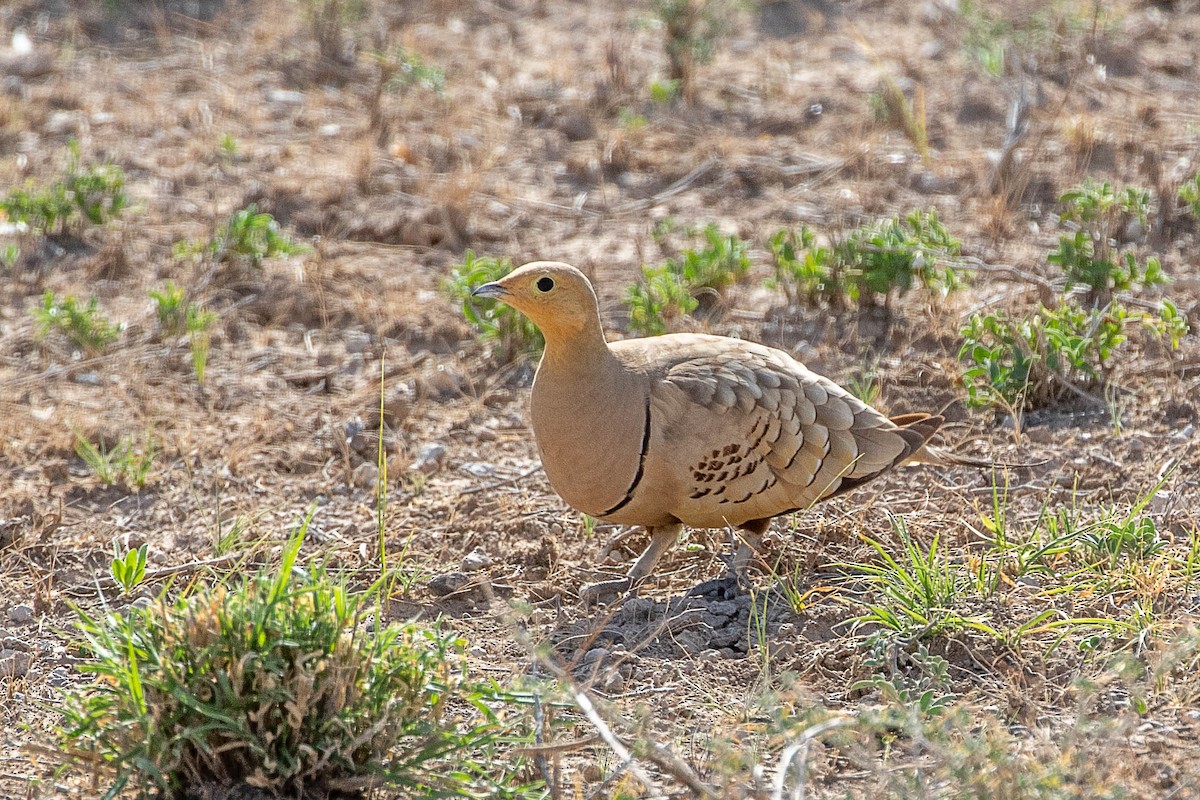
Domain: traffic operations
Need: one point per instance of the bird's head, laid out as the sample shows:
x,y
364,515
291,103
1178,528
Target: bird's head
x,y
558,298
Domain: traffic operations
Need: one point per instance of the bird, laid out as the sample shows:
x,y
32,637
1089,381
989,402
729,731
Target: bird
x,y
690,429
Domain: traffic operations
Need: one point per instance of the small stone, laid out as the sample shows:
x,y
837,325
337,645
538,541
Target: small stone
x,y
709,655
14,663
450,582
60,676
13,643
20,614
287,97
1039,434
366,476
330,130
595,654
357,342
614,683
476,560
429,459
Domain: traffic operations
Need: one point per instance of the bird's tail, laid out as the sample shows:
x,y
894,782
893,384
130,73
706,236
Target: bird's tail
x,y
924,426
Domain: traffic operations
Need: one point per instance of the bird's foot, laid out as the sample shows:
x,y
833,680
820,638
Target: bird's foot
x,y
726,587
606,591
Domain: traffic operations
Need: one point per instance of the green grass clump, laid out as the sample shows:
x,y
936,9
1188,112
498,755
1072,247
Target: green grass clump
x,y
84,325
122,463
881,259
510,335
670,291
176,316
85,194
1039,360
278,681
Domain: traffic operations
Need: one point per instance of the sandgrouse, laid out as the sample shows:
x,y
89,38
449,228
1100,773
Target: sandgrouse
x,y
689,429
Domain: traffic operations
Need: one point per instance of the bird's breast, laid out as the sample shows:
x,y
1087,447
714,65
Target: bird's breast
x,y
592,441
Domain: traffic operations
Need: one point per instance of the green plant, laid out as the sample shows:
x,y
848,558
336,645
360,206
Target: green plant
x,y
691,29
657,301
804,270
675,288
252,236
1189,193
86,193
129,568
198,323
278,680
228,148
883,258
9,254
169,307
122,463
924,687
1025,362
664,92
404,68
84,325
917,593
1088,256
510,334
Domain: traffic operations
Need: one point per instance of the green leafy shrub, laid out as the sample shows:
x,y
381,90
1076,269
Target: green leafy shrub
x,y
672,290
510,334
128,568
1041,359
1189,193
805,271
248,237
86,193
1089,256
84,325
658,301
883,258
277,681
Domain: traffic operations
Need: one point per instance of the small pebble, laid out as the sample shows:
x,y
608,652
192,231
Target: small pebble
x,y
429,458
20,614
442,585
14,663
476,560
595,654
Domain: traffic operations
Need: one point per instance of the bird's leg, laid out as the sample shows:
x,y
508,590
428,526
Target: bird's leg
x,y
747,548
737,577
661,537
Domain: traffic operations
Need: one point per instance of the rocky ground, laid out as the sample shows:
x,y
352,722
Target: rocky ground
x,y
546,143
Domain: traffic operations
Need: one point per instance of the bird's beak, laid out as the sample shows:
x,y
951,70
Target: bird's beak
x,y
493,290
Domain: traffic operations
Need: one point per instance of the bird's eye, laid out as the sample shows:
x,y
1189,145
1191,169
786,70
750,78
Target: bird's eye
x,y
545,284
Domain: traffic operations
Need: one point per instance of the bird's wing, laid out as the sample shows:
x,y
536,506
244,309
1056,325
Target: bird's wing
x,y
748,432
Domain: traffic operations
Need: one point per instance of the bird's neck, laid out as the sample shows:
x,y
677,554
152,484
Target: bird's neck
x,y
573,349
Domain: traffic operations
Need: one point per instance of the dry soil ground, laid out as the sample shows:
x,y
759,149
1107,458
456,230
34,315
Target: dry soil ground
x,y
545,143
